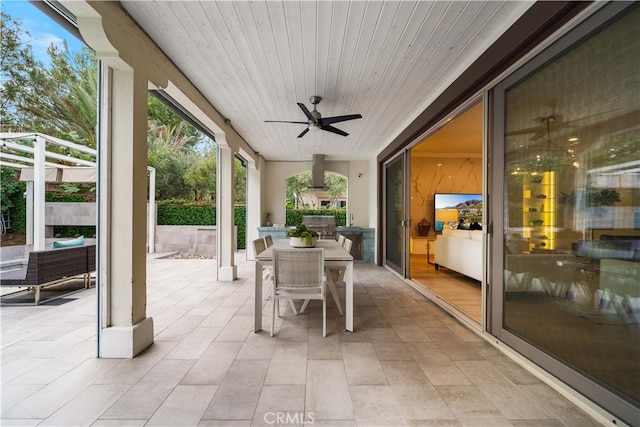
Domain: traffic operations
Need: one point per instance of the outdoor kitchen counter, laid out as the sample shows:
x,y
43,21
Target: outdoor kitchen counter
x,y
368,238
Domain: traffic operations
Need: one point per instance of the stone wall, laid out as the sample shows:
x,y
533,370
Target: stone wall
x,y
190,239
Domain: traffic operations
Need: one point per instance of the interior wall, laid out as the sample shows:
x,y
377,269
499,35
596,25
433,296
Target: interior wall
x,y
430,175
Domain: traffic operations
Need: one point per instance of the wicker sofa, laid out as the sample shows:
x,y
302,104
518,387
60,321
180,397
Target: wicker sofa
x,y
52,266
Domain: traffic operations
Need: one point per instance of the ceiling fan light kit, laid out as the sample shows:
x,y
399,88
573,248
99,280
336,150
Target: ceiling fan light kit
x,y
316,122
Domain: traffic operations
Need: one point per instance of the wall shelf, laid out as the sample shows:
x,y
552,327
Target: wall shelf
x,y
539,210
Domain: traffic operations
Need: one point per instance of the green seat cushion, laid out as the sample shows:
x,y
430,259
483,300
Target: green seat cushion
x,y
78,241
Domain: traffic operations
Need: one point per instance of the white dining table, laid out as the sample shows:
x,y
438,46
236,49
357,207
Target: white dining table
x,y
335,257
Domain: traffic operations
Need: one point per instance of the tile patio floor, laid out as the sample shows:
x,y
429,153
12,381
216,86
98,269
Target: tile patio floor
x,y
407,363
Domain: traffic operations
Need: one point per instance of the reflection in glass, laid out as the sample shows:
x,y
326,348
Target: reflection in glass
x,y
394,214
572,208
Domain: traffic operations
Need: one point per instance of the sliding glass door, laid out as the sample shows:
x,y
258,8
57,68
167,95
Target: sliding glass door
x,y
395,217
567,245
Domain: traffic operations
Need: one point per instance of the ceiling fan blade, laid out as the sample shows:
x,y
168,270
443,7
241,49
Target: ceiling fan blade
x,y
303,133
306,112
281,121
334,130
526,131
329,120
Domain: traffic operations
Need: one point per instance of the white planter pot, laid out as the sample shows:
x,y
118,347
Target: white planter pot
x,y
301,242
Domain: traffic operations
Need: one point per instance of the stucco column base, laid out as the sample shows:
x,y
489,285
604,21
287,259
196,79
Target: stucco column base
x,y
125,342
227,274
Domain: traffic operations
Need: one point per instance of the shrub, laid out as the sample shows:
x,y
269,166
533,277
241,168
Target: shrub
x,y
294,216
182,212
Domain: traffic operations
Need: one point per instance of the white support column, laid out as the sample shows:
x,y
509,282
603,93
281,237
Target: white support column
x,y
227,271
38,193
151,223
28,195
254,204
129,330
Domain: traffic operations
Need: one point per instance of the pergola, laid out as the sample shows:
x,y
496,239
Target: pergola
x,y
28,152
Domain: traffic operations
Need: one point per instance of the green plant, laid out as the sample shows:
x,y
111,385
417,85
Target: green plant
x,y
598,199
604,198
304,233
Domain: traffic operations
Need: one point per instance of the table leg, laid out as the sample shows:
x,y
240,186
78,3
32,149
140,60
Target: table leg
x,y
258,298
348,276
332,287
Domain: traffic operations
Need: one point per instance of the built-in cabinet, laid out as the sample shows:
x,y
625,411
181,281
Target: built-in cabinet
x,y
363,247
356,247
539,205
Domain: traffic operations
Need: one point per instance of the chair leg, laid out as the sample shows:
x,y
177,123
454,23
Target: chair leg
x,y
324,316
273,313
304,306
293,307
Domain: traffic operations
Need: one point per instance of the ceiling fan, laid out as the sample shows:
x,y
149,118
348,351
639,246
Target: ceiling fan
x,y
316,121
556,122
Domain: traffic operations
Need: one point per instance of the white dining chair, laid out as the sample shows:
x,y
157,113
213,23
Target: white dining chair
x,y
341,239
336,274
347,244
298,274
267,274
268,240
258,246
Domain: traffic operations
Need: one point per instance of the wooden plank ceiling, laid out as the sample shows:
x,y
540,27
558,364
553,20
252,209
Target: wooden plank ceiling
x,y
254,60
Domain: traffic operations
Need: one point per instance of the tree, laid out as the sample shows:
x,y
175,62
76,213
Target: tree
x,y
169,154
161,113
201,176
65,105
337,186
9,187
18,68
61,100
296,187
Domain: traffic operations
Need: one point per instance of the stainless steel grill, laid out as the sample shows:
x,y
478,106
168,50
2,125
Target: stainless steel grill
x,y
323,224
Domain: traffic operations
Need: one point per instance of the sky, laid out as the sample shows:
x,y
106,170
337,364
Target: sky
x,y
44,31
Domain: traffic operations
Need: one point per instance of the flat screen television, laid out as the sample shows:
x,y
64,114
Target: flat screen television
x,y
463,209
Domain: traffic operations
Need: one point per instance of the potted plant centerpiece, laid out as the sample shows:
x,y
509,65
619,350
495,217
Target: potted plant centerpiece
x,y
302,237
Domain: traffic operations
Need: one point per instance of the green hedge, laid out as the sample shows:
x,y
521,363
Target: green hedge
x,y
240,220
18,213
294,216
188,214
53,197
87,231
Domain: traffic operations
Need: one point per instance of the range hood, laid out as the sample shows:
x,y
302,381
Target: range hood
x,y
317,172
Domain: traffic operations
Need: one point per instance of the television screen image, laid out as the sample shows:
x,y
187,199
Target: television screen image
x,y
464,210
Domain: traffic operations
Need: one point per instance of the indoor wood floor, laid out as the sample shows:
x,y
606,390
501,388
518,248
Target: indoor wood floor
x,y
459,290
